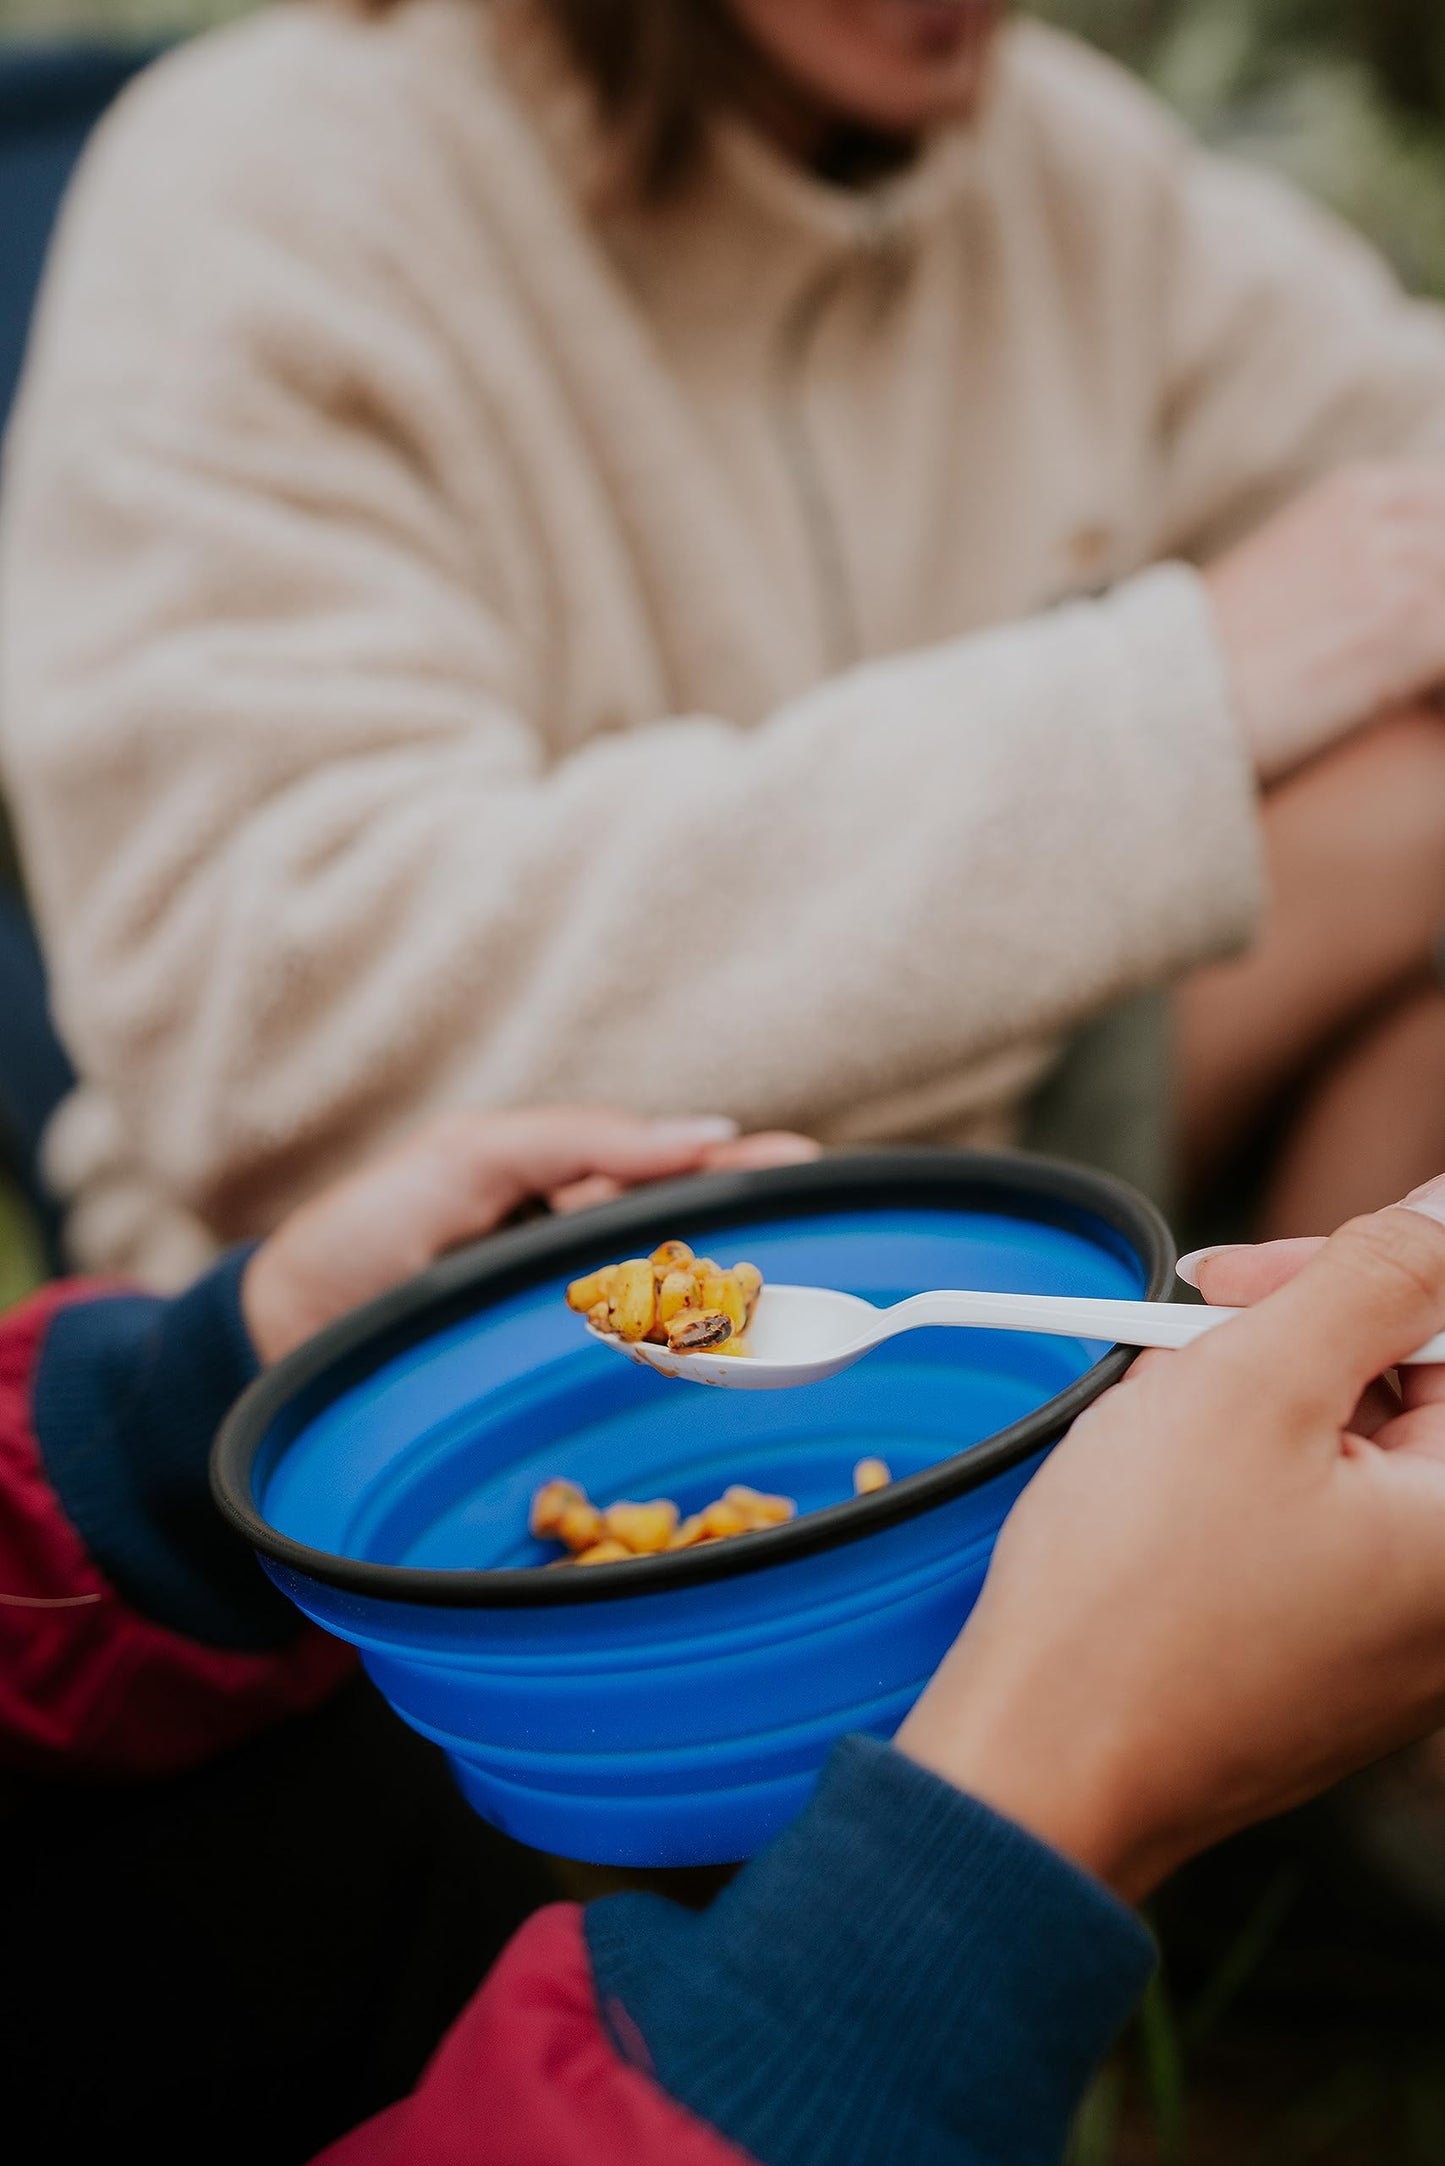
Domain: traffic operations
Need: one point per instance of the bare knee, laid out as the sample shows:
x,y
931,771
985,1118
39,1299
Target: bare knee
x,y
1370,1127
1356,853
1356,848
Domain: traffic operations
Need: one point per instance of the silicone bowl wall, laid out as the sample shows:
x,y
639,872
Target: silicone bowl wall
x,y
677,1711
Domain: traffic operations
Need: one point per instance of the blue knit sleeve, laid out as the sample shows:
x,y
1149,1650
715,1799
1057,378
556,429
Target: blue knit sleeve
x,y
129,1394
903,1976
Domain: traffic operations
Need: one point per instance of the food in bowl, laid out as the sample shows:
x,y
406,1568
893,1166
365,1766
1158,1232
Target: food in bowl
x,y
671,1298
563,1512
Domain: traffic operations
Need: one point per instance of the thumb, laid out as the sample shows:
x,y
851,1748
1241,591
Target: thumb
x,y
1370,1296
1237,1276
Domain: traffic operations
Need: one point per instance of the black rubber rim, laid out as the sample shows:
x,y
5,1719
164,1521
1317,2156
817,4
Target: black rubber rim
x,y
279,1404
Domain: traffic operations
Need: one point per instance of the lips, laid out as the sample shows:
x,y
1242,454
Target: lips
x,y
938,29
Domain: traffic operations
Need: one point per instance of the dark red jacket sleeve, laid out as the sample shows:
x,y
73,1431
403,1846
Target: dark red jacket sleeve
x,y
527,2076
88,1685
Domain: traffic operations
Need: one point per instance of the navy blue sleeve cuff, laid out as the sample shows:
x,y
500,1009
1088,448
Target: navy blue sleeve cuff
x,y
129,1394
902,1975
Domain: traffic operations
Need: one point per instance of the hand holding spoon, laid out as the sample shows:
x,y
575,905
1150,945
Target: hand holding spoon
x,y
802,1334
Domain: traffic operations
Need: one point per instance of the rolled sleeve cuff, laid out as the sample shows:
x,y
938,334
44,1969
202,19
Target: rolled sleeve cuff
x,y
129,1394
903,1974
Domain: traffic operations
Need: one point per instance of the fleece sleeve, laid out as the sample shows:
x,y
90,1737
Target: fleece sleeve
x,y
1291,349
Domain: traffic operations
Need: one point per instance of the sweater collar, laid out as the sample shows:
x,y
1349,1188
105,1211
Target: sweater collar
x,y
897,211
739,164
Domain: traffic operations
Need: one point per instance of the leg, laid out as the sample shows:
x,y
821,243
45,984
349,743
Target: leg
x,y
1356,850
1372,1129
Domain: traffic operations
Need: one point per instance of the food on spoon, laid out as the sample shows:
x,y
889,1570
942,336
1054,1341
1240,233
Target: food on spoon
x,y
676,1293
671,1298
723,1290
632,1299
698,1331
585,1293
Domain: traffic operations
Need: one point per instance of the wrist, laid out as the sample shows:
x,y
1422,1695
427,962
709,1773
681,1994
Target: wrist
x,y
1291,697
262,1314
1067,1783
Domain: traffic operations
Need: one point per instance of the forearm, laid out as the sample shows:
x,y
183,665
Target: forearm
x,y
902,1975
138,1637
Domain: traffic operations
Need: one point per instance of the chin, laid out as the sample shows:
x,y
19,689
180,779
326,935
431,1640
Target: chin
x,y
895,65
904,107
928,59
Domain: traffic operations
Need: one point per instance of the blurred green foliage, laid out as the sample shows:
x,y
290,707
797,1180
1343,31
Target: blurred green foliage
x,y
115,18
22,1265
1346,95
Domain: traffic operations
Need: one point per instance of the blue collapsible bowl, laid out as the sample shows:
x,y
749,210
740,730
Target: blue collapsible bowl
x,y
676,1710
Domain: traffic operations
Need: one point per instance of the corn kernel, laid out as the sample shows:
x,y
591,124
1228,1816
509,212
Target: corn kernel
x,y
643,1529
720,1290
580,1525
670,1256
760,1509
552,1500
604,1552
678,1291
870,1474
585,1293
750,1278
722,1518
632,1300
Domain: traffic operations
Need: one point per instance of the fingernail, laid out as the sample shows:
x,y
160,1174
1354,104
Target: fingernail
x,y
1187,1267
1429,1199
696,1129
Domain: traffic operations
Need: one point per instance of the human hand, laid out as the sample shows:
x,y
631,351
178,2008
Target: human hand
x,y
455,1179
1334,611
733,1154
1226,1588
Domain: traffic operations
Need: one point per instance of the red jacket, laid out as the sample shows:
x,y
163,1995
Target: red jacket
x,y
902,1975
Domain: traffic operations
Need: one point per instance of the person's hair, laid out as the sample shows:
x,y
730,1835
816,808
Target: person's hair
x,y
657,68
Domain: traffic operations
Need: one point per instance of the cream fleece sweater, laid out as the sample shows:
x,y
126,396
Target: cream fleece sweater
x,y
466,640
